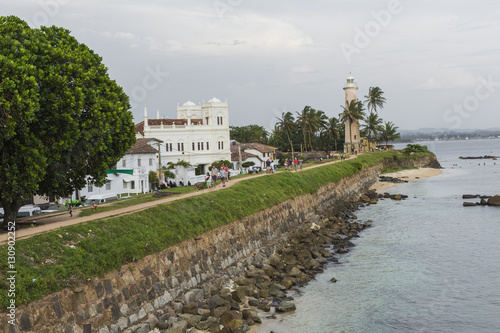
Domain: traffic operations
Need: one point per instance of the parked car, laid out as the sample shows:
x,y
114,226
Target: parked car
x,y
100,198
24,211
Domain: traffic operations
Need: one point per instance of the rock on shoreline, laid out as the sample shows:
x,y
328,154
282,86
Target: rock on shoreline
x,y
486,200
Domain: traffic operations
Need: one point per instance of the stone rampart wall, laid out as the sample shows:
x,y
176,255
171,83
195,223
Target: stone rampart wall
x,y
123,299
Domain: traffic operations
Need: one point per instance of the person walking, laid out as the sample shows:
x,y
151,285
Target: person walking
x,y
223,175
295,163
227,172
214,176
300,164
70,209
208,180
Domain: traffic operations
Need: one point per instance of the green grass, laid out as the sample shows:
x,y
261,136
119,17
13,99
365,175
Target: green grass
x,y
47,262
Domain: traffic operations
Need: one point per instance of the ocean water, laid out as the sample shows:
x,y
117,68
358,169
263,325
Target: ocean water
x,y
427,264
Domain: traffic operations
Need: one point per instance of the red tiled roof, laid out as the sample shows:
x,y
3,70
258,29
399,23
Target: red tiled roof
x,y
259,146
141,146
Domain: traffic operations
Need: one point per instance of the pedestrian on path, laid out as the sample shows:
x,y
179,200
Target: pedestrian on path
x,y
296,163
214,176
208,180
70,209
223,175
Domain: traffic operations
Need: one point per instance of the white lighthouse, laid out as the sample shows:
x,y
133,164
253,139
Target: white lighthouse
x,y
351,129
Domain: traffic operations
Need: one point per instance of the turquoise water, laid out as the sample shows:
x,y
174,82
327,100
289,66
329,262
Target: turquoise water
x,y
428,264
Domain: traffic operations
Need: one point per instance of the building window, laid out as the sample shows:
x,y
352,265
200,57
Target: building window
x,y
108,185
355,137
125,184
221,145
182,146
193,146
218,143
202,146
124,163
208,147
171,147
178,146
138,162
220,120
132,185
150,161
90,187
199,146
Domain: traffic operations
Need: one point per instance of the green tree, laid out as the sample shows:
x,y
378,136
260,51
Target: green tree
x,y
62,117
333,130
286,124
249,133
373,125
153,179
353,112
389,132
310,122
375,99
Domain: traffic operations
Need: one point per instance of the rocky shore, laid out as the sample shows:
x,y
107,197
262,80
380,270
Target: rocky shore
x,y
486,200
256,289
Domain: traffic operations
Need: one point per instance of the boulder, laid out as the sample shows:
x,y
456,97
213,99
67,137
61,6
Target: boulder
x,y
286,306
469,204
470,196
251,314
231,319
178,327
494,200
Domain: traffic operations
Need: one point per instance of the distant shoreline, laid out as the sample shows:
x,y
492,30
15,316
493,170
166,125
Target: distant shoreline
x,y
409,175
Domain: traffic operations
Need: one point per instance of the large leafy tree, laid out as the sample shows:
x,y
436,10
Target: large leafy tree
x,y
375,99
62,117
373,125
389,132
249,133
352,112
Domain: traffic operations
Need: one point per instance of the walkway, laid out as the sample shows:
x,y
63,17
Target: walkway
x,y
54,222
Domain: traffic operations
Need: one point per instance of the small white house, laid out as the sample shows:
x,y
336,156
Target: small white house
x,y
261,151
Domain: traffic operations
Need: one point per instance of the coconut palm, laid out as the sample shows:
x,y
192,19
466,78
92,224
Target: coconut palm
x,y
389,132
375,99
352,112
302,122
373,124
333,130
287,124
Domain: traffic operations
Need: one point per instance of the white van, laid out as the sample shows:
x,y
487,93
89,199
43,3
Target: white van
x,y
25,211
100,198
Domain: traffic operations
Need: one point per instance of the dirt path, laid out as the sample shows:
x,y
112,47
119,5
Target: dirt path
x,y
52,222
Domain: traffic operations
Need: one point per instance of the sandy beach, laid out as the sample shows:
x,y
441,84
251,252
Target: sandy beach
x,y
410,175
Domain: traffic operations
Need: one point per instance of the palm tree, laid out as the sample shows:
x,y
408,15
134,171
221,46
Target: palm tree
x,y
287,124
333,130
351,113
302,122
389,132
375,99
373,124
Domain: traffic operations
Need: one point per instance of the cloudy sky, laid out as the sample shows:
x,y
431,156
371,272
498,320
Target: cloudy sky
x,y
436,61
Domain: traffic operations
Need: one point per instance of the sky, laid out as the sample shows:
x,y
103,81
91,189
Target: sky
x,y
436,61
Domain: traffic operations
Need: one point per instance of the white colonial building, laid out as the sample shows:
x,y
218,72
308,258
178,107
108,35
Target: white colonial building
x,y
199,135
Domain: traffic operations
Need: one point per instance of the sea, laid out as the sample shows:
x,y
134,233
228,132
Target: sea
x,y
427,264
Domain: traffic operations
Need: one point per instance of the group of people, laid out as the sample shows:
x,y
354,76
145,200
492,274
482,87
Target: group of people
x,y
293,164
222,173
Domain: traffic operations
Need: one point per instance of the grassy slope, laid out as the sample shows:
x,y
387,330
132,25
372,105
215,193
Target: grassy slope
x,y
69,256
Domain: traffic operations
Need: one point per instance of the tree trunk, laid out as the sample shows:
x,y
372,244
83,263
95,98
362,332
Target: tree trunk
x,y
10,211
